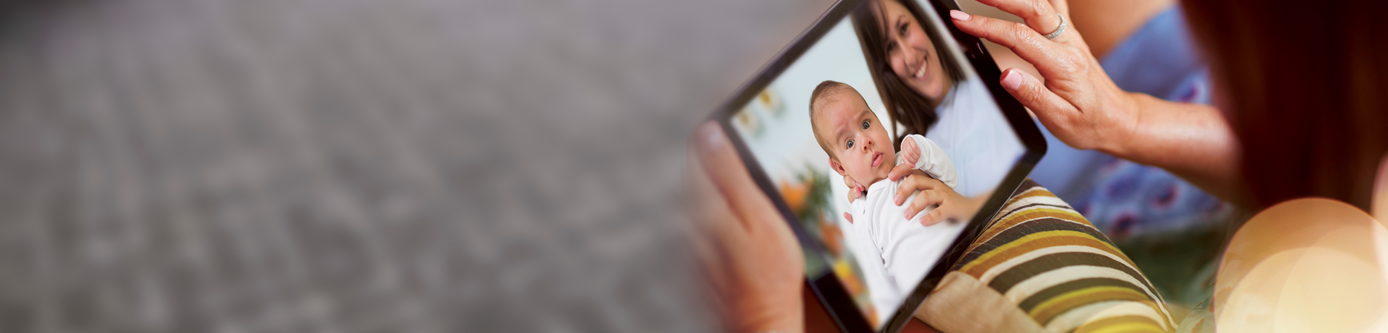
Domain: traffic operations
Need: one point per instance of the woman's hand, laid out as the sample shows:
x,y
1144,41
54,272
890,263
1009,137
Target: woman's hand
x,y
1078,101
933,193
751,256
1082,106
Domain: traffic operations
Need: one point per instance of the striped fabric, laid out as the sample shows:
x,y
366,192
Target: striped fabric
x,y
1049,261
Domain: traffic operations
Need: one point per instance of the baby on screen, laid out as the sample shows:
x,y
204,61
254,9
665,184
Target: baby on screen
x,y
894,252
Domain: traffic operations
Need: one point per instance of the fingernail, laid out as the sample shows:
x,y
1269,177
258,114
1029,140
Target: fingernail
x,y
958,15
712,134
1012,80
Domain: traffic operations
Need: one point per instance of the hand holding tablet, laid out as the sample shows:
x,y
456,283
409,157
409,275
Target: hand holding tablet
x,y
753,253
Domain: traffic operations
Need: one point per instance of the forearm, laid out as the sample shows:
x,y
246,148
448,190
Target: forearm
x,y
1192,141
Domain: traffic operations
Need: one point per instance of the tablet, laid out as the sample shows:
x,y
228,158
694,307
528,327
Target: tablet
x,y
873,84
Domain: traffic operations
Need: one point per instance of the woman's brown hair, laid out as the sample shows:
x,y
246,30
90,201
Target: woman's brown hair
x,y
1305,85
908,108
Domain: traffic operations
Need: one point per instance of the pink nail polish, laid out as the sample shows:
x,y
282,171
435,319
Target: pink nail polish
x,y
1012,80
713,136
958,15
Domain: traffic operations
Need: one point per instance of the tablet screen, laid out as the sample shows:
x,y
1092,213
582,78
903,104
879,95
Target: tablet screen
x,y
886,85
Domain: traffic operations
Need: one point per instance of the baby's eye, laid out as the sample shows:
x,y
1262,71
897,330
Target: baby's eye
x,y
850,143
865,124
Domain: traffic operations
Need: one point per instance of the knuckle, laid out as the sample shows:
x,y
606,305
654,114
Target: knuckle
x,y
1076,61
1037,8
1033,91
1027,94
1081,64
1021,31
1069,61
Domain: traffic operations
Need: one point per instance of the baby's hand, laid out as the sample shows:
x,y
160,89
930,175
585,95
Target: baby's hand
x,y
855,191
910,152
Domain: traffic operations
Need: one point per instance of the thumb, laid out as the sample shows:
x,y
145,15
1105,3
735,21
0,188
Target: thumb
x,y
730,177
901,171
1033,94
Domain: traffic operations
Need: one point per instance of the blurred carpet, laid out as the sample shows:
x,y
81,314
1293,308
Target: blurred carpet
x,y
359,166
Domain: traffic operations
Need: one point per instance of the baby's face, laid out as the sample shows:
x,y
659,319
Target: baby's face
x,y
856,136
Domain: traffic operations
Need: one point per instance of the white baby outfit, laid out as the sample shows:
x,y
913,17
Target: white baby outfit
x,y
893,252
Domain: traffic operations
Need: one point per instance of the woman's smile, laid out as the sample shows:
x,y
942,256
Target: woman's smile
x,y
910,53
922,73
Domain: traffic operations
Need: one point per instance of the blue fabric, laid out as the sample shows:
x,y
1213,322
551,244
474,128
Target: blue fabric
x,y
1123,198
1161,59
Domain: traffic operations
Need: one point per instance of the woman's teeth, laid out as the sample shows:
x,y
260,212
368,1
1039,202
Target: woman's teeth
x,y
920,72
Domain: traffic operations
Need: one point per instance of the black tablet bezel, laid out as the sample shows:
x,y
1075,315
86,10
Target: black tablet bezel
x,y
827,287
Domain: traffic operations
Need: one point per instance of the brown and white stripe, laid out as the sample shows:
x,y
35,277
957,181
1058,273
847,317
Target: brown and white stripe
x,y
1047,259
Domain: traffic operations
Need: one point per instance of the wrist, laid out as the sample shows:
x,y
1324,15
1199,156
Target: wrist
x,y
976,203
787,318
1124,124
779,308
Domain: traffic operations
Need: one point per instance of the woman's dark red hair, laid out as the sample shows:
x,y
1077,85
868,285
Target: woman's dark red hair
x,y
1305,87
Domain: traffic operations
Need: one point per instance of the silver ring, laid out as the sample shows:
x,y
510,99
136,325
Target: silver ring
x,y
1058,30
